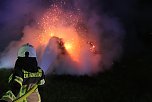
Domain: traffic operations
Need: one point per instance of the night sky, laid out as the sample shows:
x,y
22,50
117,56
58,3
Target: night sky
x,y
134,15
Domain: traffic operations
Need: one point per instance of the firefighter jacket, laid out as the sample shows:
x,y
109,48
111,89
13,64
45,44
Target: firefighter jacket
x,y
20,81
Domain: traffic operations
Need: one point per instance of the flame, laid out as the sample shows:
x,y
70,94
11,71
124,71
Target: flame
x,y
56,22
68,46
73,48
61,24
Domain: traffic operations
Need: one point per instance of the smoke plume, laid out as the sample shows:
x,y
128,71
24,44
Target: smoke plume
x,y
70,38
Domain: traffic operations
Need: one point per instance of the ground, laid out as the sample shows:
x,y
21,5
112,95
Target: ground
x,y
128,81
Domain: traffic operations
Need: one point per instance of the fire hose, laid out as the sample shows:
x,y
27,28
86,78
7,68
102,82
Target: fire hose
x,y
29,92
20,99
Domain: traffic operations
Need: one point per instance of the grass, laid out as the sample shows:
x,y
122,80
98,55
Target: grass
x,y
4,74
128,81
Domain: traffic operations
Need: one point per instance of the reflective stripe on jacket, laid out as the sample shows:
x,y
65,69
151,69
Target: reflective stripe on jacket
x,y
26,80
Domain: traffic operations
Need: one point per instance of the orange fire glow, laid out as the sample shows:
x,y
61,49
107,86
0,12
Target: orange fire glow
x,y
61,24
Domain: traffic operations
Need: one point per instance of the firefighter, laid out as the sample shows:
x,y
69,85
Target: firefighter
x,y
25,75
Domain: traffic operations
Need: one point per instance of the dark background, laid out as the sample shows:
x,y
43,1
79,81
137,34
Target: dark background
x,y
135,16
130,78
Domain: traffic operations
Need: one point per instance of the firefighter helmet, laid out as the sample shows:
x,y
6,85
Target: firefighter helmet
x,y
27,50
